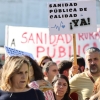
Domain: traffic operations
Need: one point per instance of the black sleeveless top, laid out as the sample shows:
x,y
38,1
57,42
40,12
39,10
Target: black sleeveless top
x,y
28,95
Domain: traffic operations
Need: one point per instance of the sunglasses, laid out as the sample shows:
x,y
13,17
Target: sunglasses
x,y
43,63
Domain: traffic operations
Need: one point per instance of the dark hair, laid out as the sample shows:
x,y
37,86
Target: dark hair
x,y
81,61
47,65
44,58
64,65
92,49
66,96
38,75
1,65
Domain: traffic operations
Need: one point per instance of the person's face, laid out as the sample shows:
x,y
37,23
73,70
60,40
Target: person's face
x,y
20,78
93,62
82,68
44,62
66,72
31,73
60,87
53,70
74,69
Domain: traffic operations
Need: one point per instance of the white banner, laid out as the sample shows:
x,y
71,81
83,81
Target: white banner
x,y
72,16
38,42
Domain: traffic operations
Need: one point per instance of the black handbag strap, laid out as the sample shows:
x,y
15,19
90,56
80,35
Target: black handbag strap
x,y
36,94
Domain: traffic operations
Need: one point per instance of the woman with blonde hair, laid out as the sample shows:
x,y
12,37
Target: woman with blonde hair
x,y
14,81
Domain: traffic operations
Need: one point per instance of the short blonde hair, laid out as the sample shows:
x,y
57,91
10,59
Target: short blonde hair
x,y
11,66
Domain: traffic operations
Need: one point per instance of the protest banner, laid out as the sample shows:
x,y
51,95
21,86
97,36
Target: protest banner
x,y
15,52
38,42
72,17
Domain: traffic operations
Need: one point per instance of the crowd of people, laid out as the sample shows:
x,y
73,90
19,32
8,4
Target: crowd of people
x,y
23,78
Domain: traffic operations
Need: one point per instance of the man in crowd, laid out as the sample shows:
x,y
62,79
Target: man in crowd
x,y
80,65
75,70
64,67
50,69
82,83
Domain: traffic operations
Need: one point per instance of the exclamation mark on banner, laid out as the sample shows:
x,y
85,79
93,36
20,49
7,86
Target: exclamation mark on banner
x,y
71,26
88,19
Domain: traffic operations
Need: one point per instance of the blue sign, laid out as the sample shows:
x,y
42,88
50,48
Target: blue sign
x,y
15,52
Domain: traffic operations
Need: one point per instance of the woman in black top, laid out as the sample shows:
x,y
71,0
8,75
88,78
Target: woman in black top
x,y
14,81
61,87
26,95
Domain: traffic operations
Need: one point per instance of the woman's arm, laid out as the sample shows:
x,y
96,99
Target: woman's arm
x,y
33,85
37,84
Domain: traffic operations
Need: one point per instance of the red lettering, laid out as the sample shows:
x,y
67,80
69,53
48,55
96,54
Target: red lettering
x,y
97,35
91,36
52,39
23,36
45,36
86,35
79,49
84,48
39,49
80,36
39,38
68,38
60,38
95,44
31,38
70,51
53,52
62,52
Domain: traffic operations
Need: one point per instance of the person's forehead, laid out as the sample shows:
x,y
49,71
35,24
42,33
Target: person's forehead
x,y
92,55
62,80
53,67
24,67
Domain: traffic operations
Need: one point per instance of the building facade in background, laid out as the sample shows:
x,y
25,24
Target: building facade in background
x,y
28,13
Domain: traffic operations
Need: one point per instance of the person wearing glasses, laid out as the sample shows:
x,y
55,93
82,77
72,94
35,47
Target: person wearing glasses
x,y
43,60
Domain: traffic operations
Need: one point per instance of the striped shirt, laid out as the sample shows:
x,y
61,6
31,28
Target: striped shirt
x,y
48,94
